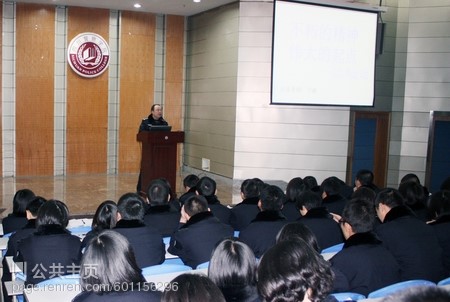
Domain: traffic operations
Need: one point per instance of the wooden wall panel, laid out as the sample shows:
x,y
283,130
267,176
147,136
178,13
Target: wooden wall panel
x,y
137,60
35,40
87,101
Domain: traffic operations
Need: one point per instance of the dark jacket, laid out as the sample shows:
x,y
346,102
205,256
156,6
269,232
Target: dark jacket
x,y
441,227
366,263
222,212
413,244
13,222
290,211
163,218
334,203
49,252
151,121
321,223
196,239
147,242
20,234
261,233
244,212
135,296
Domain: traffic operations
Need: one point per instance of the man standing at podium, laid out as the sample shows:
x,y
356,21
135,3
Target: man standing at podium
x,y
155,118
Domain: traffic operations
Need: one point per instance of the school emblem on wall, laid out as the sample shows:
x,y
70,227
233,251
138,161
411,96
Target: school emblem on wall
x,y
88,55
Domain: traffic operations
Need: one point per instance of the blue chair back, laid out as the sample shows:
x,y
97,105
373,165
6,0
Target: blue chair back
x,y
333,249
164,269
445,281
348,296
390,289
66,279
173,261
203,265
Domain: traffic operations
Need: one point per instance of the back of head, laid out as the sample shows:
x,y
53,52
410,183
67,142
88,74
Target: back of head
x,y
272,198
296,230
233,269
195,204
206,186
158,192
108,261
294,188
190,181
21,200
413,193
360,215
290,269
105,216
364,193
53,212
250,188
310,182
131,207
34,205
192,288
410,177
389,197
331,186
365,177
309,200
420,294
439,203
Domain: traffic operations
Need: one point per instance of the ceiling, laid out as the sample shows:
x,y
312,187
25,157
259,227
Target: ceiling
x,y
171,7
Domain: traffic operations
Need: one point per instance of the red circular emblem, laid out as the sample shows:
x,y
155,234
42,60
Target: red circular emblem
x,y
88,55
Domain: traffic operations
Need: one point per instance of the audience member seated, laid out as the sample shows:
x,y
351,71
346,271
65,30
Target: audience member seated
x,y
414,196
160,214
233,269
147,242
51,251
105,218
244,212
292,271
319,220
189,183
192,288
294,188
173,201
411,241
199,233
207,188
109,272
440,205
364,194
414,178
364,178
311,183
366,263
18,218
331,195
261,233
420,294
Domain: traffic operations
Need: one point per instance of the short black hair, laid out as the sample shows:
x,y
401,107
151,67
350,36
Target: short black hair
x,y
295,230
195,204
21,199
365,177
158,192
190,180
131,206
390,197
294,188
34,205
331,185
272,198
53,212
413,193
310,182
364,193
193,288
250,188
360,215
206,186
105,216
309,200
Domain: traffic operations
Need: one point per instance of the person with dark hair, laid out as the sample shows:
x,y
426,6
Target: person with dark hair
x,y
292,271
207,187
331,195
51,251
18,219
319,220
411,177
105,218
411,241
294,188
233,269
419,294
415,198
244,212
146,241
159,213
109,272
189,183
310,182
440,203
260,234
192,288
364,178
199,232
364,194
366,263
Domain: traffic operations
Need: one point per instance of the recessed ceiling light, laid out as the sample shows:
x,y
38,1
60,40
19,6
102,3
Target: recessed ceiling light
x,y
197,1
137,5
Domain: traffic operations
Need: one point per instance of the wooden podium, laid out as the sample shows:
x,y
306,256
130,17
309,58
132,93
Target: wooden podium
x,y
159,156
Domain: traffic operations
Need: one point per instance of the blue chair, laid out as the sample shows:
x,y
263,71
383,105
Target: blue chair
x,y
445,281
66,279
80,230
166,240
203,265
348,296
164,269
333,249
236,234
390,289
173,261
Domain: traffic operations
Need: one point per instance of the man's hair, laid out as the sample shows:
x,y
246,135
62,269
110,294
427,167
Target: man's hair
x,y
131,206
309,200
331,186
360,215
410,177
310,182
250,188
158,192
364,193
195,204
21,200
365,177
413,193
296,230
206,186
34,205
294,188
153,107
53,212
389,197
105,216
272,198
190,181
192,287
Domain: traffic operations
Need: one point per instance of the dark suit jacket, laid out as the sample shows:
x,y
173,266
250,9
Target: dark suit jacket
x,y
442,229
222,212
366,263
290,211
334,203
20,234
13,222
163,218
196,239
147,242
50,252
135,296
327,231
261,233
244,212
413,243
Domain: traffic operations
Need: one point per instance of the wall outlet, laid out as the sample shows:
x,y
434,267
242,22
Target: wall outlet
x,y
205,164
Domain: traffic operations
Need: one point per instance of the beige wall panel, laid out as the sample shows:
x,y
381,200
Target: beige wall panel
x,y
87,101
1,93
34,89
137,63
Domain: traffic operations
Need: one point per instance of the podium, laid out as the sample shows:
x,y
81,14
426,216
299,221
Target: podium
x,y
159,156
